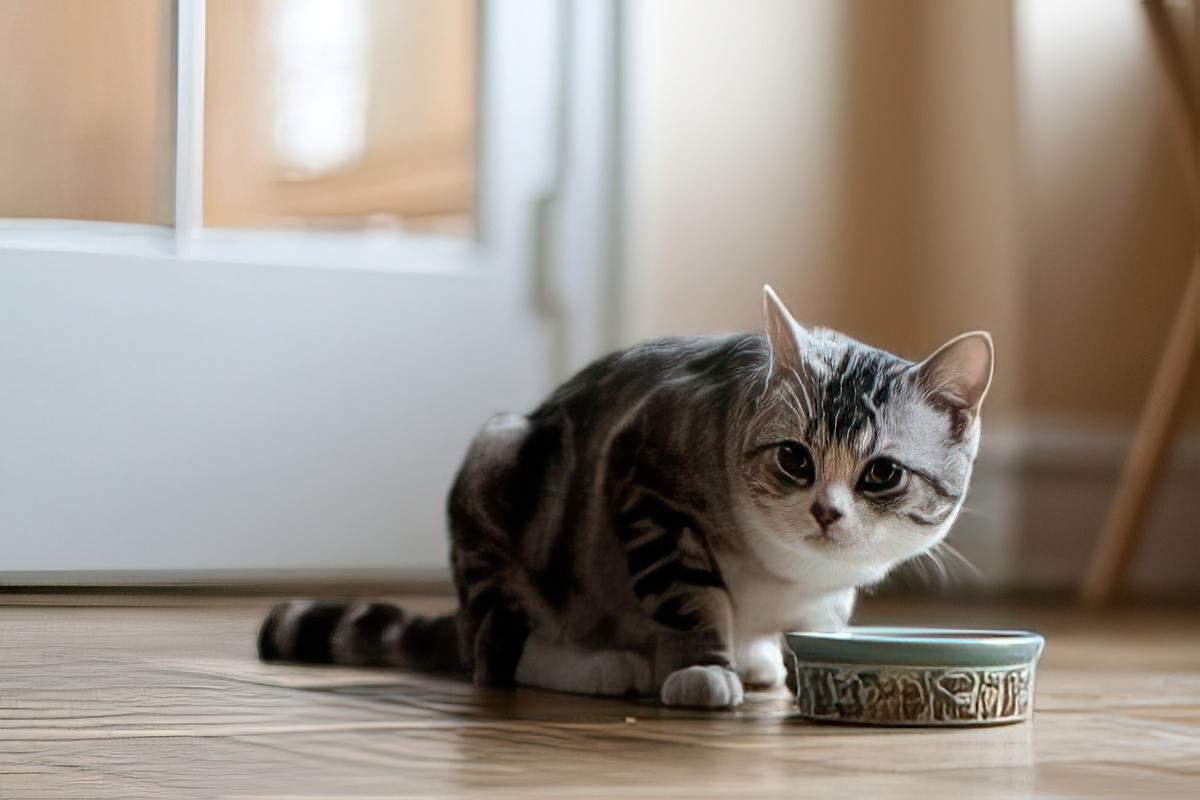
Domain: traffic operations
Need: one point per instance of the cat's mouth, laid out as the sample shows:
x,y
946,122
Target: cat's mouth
x,y
824,540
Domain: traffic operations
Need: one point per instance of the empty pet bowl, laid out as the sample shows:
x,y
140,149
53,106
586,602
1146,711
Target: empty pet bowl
x,y
915,676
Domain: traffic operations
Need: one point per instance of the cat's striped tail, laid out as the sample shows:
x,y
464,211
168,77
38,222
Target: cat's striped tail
x,y
359,633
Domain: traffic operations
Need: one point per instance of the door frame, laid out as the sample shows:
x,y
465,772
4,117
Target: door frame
x,y
570,277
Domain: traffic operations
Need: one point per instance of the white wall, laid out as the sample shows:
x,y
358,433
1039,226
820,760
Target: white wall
x,y
232,416
731,144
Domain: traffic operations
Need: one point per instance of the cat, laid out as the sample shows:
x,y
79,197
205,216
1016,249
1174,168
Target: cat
x,y
664,515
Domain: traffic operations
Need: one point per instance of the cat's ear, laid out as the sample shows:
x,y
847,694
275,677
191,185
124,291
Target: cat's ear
x,y
959,372
783,334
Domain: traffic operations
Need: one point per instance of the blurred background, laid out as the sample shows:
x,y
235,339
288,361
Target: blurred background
x,y
266,265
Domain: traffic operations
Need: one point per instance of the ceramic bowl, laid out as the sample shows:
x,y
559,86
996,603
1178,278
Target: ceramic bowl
x,y
915,676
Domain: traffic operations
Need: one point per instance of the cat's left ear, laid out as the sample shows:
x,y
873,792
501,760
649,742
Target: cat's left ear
x,y
959,372
783,334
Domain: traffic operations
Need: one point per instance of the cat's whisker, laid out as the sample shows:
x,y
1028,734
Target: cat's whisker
x,y
943,575
934,575
975,571
922,568
917,567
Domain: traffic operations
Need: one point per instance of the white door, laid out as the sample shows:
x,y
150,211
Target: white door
x,y
184,398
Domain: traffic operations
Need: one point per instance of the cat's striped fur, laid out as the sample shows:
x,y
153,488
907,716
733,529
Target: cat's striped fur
x,y
662,516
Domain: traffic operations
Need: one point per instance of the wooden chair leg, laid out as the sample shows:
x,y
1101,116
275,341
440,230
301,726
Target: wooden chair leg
x,y
1124,524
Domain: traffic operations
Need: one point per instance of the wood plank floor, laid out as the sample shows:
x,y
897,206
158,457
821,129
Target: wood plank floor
x,y
160,698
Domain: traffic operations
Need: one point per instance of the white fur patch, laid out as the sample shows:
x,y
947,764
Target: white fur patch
x,y
562,668
760,662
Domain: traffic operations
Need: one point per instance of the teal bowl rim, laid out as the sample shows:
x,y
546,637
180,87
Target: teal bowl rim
x,y
916,647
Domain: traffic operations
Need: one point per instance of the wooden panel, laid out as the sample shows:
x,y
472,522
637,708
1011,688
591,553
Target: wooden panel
x,y
87,110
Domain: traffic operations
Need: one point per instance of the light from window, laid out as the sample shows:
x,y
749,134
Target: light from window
x,y
321,58
340,113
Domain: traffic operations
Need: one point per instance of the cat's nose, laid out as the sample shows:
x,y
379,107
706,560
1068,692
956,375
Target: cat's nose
x,y
825,514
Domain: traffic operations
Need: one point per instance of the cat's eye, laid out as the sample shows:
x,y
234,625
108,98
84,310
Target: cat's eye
x,y
796,463
881,476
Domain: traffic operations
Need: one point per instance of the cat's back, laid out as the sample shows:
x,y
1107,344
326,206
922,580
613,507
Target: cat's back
x,y
538,461
614,383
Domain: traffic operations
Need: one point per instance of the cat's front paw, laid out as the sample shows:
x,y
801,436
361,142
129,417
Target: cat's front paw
x,y
760,663
709,686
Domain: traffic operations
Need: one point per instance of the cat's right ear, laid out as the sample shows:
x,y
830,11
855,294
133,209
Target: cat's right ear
x,y
959,372
783,334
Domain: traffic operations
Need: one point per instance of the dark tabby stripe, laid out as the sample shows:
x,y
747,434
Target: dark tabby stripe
x,y
357,633
540,452
651,532
477,574
499,642
938,486
363,630
484,600
671,614
656,580
862,382
935,519
651,551
673,573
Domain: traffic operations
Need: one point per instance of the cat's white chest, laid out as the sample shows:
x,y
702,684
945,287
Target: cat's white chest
x,y
764,605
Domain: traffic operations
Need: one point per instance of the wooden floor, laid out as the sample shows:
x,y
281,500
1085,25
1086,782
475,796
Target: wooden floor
x,y
145,698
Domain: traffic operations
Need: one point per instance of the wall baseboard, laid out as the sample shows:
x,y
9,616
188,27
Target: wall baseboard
x,y
1037,501
301,582
1039,498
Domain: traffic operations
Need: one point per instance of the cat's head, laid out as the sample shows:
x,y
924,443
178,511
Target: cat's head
x,y
852,459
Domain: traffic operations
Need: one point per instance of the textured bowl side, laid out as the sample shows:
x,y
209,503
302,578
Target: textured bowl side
x,y
920,696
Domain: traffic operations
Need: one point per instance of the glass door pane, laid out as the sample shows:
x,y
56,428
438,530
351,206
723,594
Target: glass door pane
x,y
346,114
87,110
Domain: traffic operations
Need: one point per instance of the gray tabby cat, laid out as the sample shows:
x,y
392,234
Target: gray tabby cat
x,y
655,524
